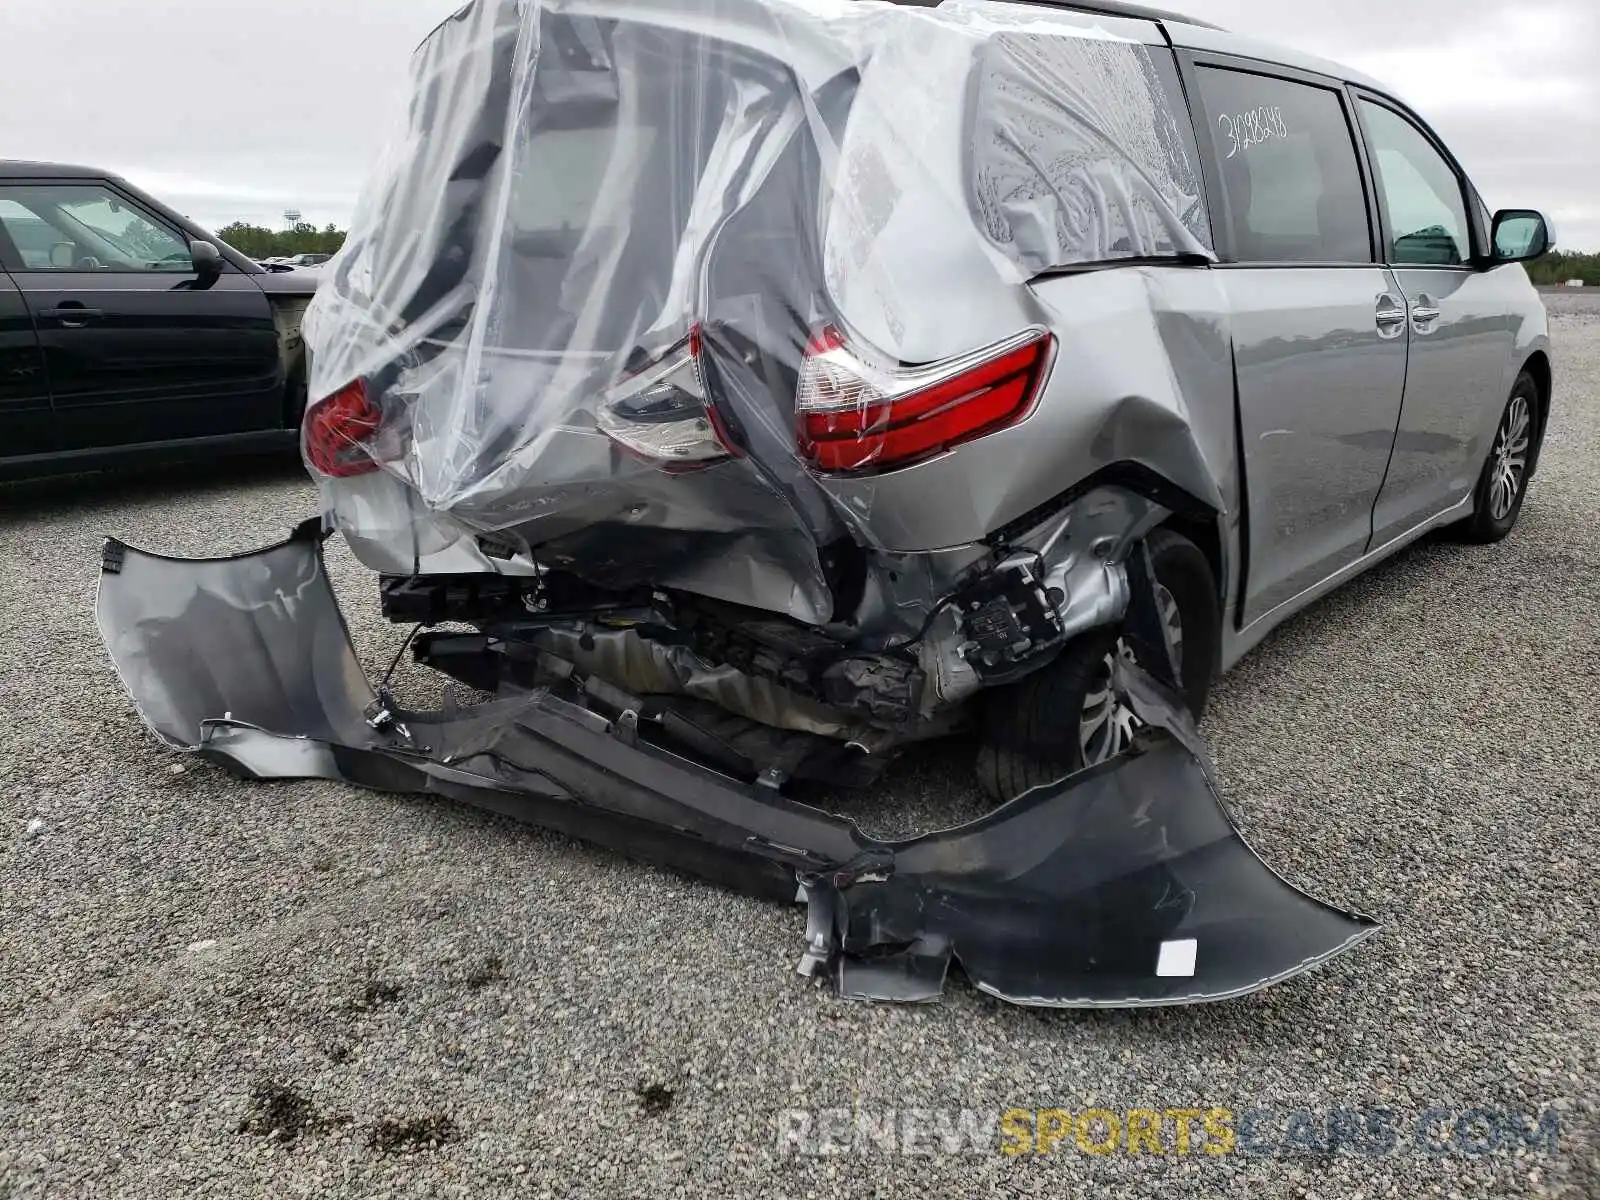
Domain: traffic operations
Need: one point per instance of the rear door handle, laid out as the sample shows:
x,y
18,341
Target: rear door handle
x,y
1424,314
1391,316
73,315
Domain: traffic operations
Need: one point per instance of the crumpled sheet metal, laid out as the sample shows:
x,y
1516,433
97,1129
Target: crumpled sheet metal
x,y
1125,885
577,180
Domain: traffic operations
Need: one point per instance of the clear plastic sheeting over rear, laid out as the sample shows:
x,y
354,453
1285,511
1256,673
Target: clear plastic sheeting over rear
x,y
637,278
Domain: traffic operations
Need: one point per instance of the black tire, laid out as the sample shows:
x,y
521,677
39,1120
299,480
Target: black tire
x,y
1031,728
1484,527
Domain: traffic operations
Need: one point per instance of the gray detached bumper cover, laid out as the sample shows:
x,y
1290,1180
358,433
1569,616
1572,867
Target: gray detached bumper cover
x,y
1125,885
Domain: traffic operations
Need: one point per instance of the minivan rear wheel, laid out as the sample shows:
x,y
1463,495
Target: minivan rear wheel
x,y
1065,716
1503,485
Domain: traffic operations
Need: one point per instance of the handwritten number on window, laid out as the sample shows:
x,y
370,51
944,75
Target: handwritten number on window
x,y
1252,128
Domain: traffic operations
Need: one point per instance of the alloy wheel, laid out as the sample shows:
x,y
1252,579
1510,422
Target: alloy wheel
x,y
1106,725
1510,458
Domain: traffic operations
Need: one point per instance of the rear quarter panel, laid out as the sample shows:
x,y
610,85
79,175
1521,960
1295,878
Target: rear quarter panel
x,y
1143,374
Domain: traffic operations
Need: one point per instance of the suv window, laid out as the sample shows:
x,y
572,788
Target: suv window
x,y
1083,151
1289,171
87,227
1421,192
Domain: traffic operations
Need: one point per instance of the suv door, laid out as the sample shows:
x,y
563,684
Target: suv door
x,y
138,347
1319,326
27,426
1458,376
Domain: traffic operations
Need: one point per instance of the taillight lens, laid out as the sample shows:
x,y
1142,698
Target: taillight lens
x,y
661,412
336,429
855,414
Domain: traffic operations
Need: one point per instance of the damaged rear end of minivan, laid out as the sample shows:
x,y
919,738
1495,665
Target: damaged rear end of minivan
x,y
732,390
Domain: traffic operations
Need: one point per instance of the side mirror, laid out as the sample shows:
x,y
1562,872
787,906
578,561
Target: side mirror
x,y
63,256
207,258
1521,234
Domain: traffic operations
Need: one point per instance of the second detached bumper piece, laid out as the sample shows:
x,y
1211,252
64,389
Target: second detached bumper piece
x,y
1124,885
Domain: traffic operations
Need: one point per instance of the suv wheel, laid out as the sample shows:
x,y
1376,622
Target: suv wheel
x,y
1065,716
1503,486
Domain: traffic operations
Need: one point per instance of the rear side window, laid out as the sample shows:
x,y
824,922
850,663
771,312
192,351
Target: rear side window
x,y
1082,151
1422,195
1289,172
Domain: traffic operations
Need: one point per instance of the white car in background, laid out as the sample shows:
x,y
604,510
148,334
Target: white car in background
x,y
295,262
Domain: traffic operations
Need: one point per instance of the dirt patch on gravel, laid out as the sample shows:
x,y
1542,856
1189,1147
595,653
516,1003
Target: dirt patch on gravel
x,y
404,1135
280,1112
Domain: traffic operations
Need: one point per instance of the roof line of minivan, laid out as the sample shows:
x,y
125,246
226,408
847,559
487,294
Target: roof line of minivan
x,y
1191,36
1190,33
1181,31
1103,8
1098,8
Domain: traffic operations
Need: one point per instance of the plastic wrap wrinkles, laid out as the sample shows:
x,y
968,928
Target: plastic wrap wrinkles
x,y
579,183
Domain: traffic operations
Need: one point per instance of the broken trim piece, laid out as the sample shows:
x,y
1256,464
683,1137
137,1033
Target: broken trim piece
x,y
1126,885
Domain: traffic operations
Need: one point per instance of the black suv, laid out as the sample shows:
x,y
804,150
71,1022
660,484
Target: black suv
x,y
129,333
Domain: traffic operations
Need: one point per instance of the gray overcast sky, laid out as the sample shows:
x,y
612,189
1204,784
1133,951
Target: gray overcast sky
x,y
237,109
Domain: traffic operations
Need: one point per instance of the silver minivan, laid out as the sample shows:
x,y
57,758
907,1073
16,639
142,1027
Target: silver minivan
x,y
1305,344
773,384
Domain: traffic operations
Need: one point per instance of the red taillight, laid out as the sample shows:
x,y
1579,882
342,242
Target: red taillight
x,y
335,429
856,415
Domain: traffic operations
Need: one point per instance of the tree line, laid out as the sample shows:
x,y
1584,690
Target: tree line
x,y
257,242
1560,266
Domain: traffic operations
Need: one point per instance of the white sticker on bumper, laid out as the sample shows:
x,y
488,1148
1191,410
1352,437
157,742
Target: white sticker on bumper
x,y
1176,959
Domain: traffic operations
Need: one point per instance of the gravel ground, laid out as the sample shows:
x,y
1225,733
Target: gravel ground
x,y
217,989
